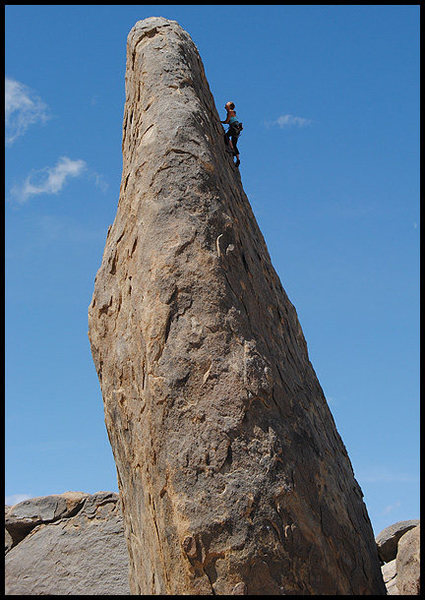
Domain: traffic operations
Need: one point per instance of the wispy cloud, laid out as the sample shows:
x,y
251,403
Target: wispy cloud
x,y
22,109
391,507
285,121
99,181
385,475
16,498
49,180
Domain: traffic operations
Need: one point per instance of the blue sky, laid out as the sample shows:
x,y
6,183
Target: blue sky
x,y
329,98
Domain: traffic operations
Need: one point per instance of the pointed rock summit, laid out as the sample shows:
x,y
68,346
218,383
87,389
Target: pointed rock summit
x,y
232,475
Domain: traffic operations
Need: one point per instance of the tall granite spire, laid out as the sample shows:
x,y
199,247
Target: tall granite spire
x,y
233,477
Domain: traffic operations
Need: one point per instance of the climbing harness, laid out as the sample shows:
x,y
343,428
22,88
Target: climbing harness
x,y
237,127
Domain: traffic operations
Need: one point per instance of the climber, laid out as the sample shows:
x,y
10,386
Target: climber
x,y
232,134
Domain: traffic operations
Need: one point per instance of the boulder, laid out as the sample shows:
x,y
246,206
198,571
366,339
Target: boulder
x,y
74,545
387,539
389,574
8,541
408,563
233,477
24,516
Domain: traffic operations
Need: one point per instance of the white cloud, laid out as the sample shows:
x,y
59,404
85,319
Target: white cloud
x,y
388,509
289,121
22,109
100,182
16,498
49,180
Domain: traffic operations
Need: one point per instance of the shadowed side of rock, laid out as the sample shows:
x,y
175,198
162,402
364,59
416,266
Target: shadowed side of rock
x,y
233,477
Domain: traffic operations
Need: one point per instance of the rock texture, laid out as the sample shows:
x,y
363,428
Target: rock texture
x,y
389,574
387,540
398,547
67,544
408,563
233,477
93,559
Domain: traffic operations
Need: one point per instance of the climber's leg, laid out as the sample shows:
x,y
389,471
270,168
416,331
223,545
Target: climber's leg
x,y
228,141
236,150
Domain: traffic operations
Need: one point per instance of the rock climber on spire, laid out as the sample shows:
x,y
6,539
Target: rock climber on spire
x,y
232,134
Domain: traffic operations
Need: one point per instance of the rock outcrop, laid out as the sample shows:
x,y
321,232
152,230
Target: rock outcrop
x,y
387,540
408,563
86,553
399,548
67,544
389,574
233,477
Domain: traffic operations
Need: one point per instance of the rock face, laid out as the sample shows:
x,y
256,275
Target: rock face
x,y
389,574
68,544
387,539
408,563
84,552
399,548
233,477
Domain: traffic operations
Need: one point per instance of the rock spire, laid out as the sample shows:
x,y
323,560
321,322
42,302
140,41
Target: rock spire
x,y
233,477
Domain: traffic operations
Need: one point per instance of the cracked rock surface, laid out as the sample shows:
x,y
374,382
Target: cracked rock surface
x,y
233,477
66,544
